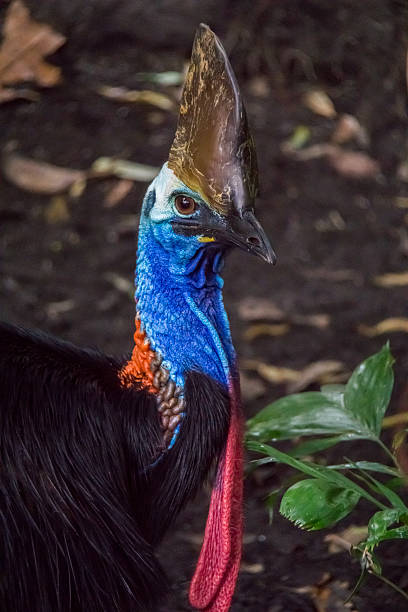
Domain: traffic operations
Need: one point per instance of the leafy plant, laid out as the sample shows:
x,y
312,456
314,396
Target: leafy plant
x,y
325,494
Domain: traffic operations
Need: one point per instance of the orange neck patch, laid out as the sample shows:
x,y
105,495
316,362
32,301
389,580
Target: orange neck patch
x,y
138,370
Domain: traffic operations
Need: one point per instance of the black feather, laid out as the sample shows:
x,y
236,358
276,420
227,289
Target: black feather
x,y
85,494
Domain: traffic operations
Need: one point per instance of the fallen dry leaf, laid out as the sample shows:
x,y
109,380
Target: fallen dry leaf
x,y
402,171
307,153
38,177
319,102
78,187
320,371
57,210
394,324
168,78
55,309
117,192
252,309
328,595
144,96
252,568
274,374
344,540
333,221
352,164
401,202
120,283
320,320
7,94
122,168
41,177
255,309
265,329
392,279
323,372
259,86
349,128
25,44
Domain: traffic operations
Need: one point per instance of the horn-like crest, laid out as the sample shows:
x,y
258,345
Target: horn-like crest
x,y
213,152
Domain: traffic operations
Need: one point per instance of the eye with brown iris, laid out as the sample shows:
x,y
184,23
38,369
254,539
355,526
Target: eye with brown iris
x,y
185,205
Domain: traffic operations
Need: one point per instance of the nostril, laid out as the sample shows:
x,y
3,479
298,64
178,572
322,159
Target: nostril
x,y
253,241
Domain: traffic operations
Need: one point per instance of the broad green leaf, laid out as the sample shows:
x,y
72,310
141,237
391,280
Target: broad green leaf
x,y
397,533
379,523
333,390
305,414
316,504
310,447
369,389
316,471
378,528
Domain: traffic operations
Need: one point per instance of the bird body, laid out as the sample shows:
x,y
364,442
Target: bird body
x,y
82,504
97,454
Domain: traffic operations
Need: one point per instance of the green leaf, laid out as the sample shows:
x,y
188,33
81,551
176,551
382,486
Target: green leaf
x,y
369,389
333,390
365,465
396,483
316,471
380,521
305,414
316,504
310,447
378,528
378,486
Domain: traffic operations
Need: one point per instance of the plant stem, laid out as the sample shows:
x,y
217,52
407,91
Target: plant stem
x,y
395,419
390,584
391,456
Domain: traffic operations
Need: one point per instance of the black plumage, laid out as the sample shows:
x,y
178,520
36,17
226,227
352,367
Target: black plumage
x,y
86,492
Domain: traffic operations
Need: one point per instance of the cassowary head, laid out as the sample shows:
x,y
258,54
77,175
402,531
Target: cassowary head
x,y
203,198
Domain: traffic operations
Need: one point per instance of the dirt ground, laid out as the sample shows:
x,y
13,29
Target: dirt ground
x,y
70,273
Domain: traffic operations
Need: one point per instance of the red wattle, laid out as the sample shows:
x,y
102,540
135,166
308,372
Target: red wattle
x,y
213,583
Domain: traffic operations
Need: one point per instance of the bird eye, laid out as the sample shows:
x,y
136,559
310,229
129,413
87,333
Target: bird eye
x,y
185,205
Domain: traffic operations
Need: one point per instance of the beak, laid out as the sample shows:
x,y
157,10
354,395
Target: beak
x,y
239,229
247,233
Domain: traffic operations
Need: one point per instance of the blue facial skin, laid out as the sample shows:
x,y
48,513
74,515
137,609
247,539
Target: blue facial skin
x,y
178,287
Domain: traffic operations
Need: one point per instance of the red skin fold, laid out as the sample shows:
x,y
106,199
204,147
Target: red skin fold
x,y
213,583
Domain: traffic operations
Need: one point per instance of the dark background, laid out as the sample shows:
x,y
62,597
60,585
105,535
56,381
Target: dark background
x,y
333,233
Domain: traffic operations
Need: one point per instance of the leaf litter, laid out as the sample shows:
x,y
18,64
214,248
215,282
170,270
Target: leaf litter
x,y
144,96
41,177
319,103
392,279
322,372
393,324
24,46
351,164
255,309
37,176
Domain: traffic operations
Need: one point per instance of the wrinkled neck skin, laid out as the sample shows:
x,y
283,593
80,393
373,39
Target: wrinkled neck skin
x,y
179,295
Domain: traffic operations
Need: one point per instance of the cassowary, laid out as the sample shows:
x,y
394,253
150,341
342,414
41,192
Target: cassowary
x,y
98,455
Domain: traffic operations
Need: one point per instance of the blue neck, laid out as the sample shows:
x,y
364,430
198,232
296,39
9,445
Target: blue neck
x,y
179,301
